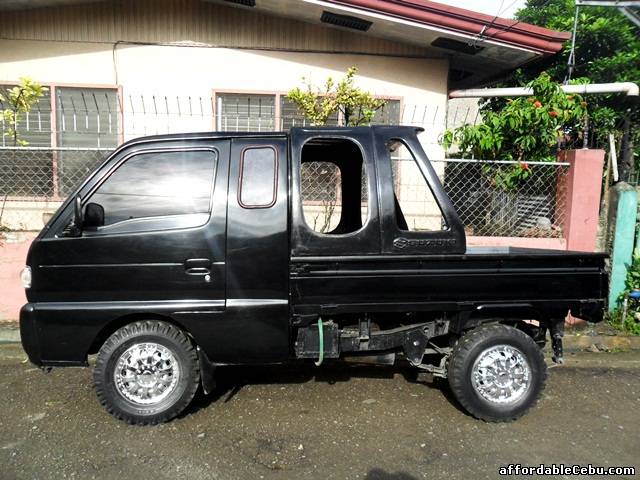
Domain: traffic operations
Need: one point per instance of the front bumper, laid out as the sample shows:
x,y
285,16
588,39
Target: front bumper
x,y
29,334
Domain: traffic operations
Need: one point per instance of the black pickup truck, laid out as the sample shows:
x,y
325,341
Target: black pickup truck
x,y
183,253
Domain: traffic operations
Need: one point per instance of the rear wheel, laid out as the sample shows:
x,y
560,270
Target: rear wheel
x,y
146,372
497,373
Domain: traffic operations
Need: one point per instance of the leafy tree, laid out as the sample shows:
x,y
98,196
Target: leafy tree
x,y
20,99
318,104
524,129
607,50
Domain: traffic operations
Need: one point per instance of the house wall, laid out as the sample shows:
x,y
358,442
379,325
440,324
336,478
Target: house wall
x,y
171,71
190,48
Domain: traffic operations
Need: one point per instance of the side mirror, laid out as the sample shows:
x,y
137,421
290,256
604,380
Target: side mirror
x,y
93,215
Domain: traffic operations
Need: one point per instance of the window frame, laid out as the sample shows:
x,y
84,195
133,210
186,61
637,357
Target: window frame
x,y
114,228
216,93
275,176
413,157
368,220
52,86
277,113
393,240
54,113
305,242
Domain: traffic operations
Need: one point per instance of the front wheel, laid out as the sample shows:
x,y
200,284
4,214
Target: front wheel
x,y
497,373
146,373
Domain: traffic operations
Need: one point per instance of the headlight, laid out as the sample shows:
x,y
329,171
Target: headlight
x,y
25,276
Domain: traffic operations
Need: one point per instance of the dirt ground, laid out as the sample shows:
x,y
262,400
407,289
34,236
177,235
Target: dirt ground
x,y
303,422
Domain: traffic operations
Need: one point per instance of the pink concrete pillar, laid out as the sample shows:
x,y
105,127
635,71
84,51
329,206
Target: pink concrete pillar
x,y
581,191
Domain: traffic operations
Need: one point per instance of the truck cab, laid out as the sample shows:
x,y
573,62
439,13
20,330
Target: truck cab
x,y
180,254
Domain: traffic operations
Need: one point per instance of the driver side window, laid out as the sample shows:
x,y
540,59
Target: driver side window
x,y
158,184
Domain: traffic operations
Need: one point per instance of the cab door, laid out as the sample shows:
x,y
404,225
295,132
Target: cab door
x,y
255,326
159,247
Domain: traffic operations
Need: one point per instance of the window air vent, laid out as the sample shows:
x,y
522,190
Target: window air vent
x,y
246,3
455,45
345,21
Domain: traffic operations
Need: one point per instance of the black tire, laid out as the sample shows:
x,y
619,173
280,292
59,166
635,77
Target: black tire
x,y
461,364
179,394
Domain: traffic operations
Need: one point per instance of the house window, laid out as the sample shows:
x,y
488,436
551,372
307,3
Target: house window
x,y
258,177
388,114
33,127
416,209
290,116
87,117
238,112
333,186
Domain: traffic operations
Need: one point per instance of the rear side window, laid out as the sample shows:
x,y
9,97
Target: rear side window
x,y
158,184
333,186
258,177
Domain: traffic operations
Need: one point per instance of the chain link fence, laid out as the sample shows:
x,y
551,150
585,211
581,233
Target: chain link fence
x,y
489,204
532,207
34,181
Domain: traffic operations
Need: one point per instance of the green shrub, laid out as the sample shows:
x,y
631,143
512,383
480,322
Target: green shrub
x,y
631,321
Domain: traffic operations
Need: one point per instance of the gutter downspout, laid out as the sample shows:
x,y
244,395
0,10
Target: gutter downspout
x,y
631,89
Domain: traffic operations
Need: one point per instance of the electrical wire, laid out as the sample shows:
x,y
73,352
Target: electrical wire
x,y
510,27
479,37
571,61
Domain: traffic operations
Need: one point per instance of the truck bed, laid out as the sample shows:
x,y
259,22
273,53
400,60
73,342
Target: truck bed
x,y
483,280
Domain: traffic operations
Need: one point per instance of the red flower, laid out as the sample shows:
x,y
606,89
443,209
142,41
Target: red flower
x,y
524,166
553,113
537,104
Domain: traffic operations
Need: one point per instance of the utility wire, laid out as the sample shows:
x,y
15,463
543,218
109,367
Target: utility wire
x,y
479,36
510,27
571,61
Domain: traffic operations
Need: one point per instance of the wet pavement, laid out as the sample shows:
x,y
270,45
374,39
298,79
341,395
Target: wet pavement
x,y
303,422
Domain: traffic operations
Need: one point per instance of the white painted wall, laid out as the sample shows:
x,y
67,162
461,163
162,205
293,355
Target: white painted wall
x,y
173,71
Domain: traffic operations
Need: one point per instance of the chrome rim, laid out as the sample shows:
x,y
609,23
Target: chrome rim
x,y
501,374
146,373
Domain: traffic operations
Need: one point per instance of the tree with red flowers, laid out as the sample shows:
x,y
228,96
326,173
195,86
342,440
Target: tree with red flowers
x,y
526,129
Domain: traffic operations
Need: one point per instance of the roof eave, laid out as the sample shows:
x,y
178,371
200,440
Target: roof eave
x,y
510,32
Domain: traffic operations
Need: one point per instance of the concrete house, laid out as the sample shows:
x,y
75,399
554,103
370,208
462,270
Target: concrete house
x,y
223,65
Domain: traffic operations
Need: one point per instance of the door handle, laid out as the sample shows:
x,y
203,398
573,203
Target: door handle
x,y
197,266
